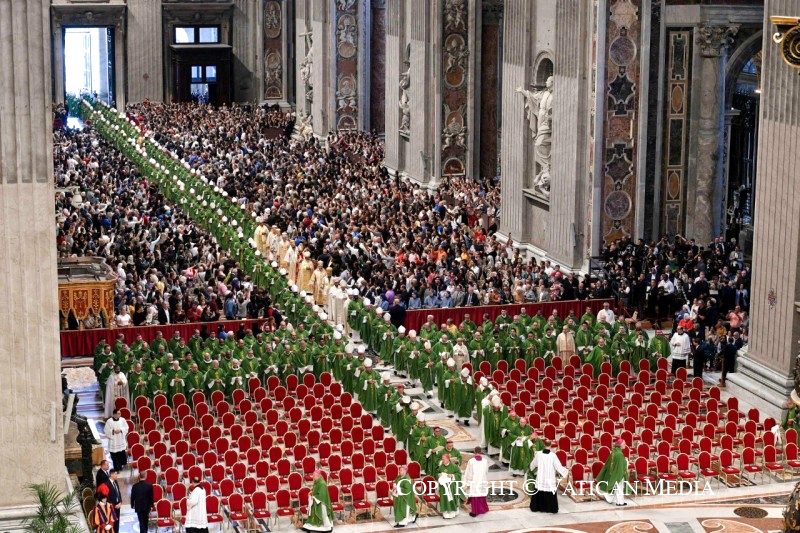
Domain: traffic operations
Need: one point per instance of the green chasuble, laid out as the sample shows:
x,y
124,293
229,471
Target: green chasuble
x,y
435,445
480,393
659,345
615,470
450,492
596,358
194,382
387,400
368,390
455,456
584,341
509,430
492,419
215,379
251,367
158,385
464,401
417,449
137,382
448,389
177,382
521,455
426,370
588,317
235,379
405,503
320,513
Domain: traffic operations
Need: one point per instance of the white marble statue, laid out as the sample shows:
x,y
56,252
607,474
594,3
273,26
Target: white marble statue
x,y
539,107
405,101
306,66
303,129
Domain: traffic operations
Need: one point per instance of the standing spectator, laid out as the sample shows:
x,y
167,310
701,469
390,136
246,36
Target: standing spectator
x,y
727,352
114,497
116,430
142,501
681,348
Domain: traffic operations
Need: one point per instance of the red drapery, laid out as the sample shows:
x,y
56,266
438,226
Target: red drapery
x,y
416,318
83,343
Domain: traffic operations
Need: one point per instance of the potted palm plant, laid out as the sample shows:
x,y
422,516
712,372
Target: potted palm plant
x,y
53,511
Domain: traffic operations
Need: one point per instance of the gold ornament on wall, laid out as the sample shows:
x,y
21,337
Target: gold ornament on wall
x,y
788,37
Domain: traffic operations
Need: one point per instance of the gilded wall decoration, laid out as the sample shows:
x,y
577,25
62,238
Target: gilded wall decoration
x,y
623,75
347,73
455,75
273,50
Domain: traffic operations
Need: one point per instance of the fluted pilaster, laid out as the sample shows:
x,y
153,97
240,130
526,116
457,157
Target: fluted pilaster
x,y
31,440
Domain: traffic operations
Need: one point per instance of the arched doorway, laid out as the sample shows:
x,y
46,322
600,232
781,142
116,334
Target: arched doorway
x,y
743,81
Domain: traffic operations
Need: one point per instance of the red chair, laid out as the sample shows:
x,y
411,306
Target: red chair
x,y
732,474
748,464
333,494
358,496
771,459
213,515
226,488
383,494
430,497
283,501
236,510
683,463
259,505
164,514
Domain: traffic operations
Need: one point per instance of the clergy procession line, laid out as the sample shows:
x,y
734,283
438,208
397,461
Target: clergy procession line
x,y
589,349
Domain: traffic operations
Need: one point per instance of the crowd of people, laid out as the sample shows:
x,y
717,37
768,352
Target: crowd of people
x,y
704,290
376,232
168,269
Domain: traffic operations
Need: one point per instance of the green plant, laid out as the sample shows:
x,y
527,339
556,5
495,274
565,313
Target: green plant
x,y
53,511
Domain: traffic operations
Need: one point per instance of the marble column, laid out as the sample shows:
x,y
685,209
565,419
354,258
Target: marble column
x,y
394,67
764,373
713,42
145,59
31,440
247,46
516,144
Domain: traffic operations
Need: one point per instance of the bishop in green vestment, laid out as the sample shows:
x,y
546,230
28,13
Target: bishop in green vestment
x,y
405,501
450,493
493,416
215,378
521,453
612,480
320,511
368,387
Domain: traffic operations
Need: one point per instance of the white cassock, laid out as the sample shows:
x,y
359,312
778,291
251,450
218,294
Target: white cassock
x,y
116,387
116,439
547,465
475,480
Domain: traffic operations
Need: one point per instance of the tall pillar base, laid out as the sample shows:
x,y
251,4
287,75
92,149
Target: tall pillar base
x,y
761,387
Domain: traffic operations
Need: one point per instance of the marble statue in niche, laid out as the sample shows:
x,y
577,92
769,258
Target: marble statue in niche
x,y
539,107
306,66
405,97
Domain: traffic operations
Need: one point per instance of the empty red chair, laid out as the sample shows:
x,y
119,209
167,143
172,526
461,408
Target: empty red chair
x,y
213,515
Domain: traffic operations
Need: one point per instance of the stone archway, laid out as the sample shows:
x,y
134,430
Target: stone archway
x,y
742,89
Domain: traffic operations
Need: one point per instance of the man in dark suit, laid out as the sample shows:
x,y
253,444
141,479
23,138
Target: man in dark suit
x,y
114,497
142,502
102,475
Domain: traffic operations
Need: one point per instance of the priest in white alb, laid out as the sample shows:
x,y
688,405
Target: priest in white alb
x,y
546,464
116,387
